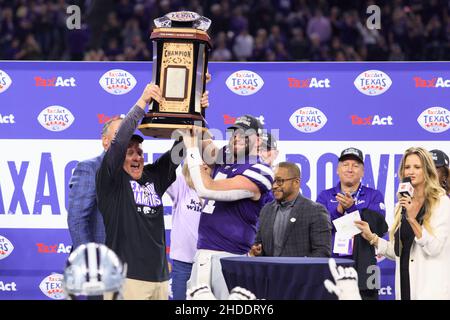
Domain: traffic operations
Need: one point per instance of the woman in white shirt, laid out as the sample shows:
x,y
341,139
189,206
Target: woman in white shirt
x,y
186,212
423,254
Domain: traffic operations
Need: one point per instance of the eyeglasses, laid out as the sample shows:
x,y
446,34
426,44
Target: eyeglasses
x,y
280,182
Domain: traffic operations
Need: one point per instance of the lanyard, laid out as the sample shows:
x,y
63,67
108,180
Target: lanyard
x,y
355,198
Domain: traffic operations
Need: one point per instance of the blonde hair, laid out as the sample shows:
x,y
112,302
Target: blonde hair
x,y
432,190
187,175
188,179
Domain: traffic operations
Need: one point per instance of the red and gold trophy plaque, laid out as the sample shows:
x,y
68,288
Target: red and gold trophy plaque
x,y
181,46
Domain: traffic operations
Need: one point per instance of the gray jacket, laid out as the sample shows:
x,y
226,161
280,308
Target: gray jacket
x,y
308,233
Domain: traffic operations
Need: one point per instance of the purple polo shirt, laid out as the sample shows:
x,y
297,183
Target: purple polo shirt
x,y
365,198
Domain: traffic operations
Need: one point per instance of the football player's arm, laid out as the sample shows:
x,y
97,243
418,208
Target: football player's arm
x,y
232,189
210,152
238,182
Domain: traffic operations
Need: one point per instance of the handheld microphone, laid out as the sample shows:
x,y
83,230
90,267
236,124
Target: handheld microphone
x,y
405,188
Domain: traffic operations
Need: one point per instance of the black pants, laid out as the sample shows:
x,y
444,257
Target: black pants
x,y
369,294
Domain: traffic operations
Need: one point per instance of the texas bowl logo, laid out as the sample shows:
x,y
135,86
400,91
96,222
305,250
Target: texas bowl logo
x,y
308,120
5,81
52,286
373,82
6,247
183,16
117,81
244,82
435,119
56,118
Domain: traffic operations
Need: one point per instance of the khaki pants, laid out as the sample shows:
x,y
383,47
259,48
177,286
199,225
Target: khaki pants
x,y
143,290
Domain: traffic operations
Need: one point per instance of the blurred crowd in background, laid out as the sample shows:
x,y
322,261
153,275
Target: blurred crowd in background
x,y
247,30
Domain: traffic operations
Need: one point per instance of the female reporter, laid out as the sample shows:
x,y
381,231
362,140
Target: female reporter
x,y
422,255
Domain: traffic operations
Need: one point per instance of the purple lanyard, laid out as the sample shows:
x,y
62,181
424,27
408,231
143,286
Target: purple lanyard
x,y
355,198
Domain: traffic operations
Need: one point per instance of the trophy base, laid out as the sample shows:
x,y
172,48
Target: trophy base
x,y
162,125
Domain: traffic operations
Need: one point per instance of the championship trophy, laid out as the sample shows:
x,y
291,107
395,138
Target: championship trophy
x,y
181,46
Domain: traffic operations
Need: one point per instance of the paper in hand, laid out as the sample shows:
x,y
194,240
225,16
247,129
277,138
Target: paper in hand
x,y
345,225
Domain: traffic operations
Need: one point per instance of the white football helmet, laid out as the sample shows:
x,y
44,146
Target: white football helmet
x,y
93,269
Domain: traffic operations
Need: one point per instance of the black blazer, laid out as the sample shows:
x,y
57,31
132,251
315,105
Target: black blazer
x,y
308,233
364,252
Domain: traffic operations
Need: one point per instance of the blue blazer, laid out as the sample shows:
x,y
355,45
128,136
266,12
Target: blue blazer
x,y
84,219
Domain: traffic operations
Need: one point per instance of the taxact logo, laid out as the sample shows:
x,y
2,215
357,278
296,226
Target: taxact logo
x,y
229,120
375,120
385,291
56,118
373,82
308,120
435,119
7,118
52,287
244,82
55,82
437,82
5,81
117,81
309,83
53,248
6,247
8,286
103,118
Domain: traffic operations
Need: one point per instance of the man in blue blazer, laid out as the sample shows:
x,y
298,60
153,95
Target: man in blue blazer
x,y
84,219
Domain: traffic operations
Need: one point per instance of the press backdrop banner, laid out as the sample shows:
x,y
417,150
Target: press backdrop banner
x,y
51,115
